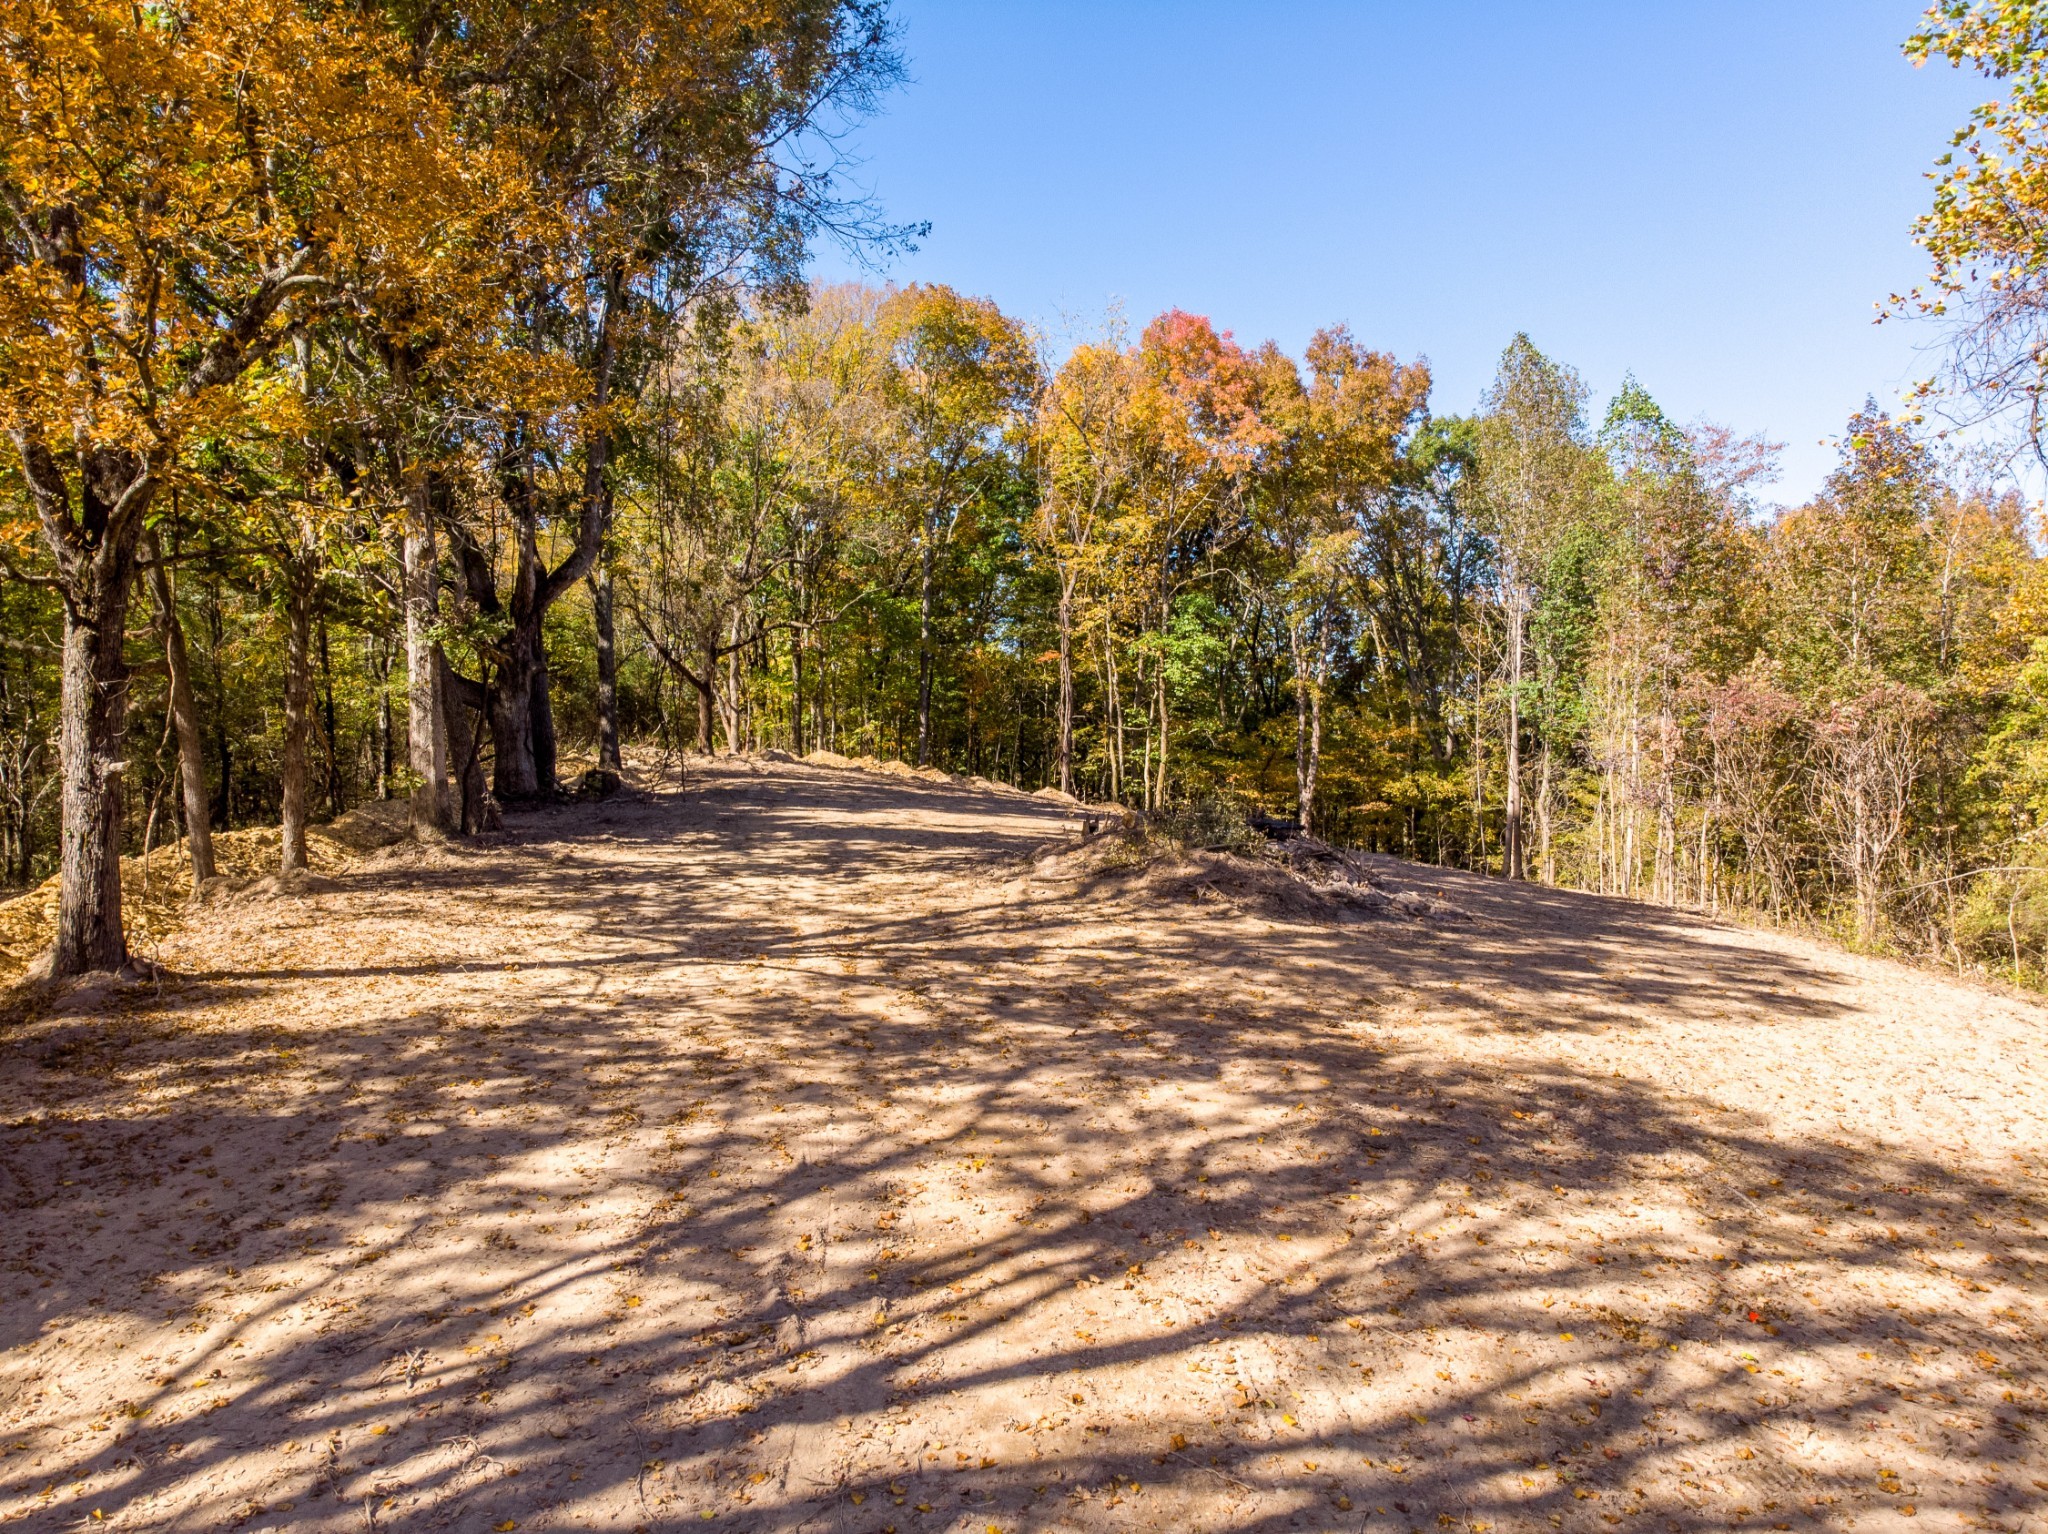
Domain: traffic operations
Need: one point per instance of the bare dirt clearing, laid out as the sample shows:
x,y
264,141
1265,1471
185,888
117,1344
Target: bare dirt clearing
x,y
779,1155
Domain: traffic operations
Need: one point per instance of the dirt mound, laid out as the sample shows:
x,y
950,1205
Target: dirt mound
x,y
369,827
895,769
1301,879
282,886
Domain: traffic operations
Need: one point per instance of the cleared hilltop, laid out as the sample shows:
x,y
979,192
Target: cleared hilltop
x,y
814,1148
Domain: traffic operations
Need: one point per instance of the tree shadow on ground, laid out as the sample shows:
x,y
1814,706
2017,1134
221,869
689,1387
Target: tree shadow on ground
x,y
780,1156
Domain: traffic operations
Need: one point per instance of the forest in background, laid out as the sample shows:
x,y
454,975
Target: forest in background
x,y
404,399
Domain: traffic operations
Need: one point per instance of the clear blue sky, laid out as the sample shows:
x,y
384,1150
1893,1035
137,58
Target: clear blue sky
x,y
1713,193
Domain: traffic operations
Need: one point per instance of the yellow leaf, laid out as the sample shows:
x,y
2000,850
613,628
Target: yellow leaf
x,y
859,1497
632,1300
1287,1418
1567,1336
509,1523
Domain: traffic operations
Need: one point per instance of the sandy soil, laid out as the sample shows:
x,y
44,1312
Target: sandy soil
x,y
782,1155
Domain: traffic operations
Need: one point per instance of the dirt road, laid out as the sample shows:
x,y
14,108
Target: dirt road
x,y
781,1155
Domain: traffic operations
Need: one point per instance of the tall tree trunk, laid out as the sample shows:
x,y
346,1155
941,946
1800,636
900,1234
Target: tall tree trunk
x,y
465,703
1165,728
514,772
796,692
426,718
1479,852
184,719
95,548
1113,712
1309,813
1543,813
330,744
223,745
298,710
1066,746
1304,773
1511,834
386,729
95,706
545,749
608,760
706,683
734,744
1708,888
928,560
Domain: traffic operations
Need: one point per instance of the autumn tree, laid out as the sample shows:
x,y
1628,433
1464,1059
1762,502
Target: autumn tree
x,y
1198,437
1531,483
679,147
1334,453
1986,232
960,375
1085,454
178,185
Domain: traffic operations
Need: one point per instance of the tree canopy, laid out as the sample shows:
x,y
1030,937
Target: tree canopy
x,y
450,378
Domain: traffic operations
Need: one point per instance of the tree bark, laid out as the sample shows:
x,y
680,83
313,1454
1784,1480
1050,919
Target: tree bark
x,y
926,581
380,662
330,747
796,692
545,749
1511,836
608,760
1165,726
1306,754
95,705
1066,747
184,719
426,719
706,683
475,809
298,710
95,550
